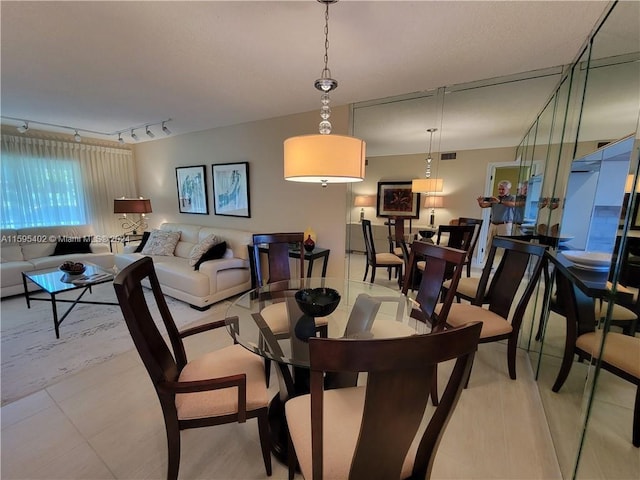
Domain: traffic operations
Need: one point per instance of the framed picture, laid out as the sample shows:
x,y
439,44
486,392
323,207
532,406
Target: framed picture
x,y
192,190
231,189
395,199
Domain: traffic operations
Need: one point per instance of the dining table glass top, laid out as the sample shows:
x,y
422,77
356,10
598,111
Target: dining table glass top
x,y
269,321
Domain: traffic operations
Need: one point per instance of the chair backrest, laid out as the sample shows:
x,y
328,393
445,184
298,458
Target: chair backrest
x,y
368,241
277,256
153,349
440,263
476,234
460,236
399,377
508,276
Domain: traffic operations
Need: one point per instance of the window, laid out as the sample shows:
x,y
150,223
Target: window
x,y
41,192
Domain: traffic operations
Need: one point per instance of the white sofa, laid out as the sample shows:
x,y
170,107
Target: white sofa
x,y
29,249
216,280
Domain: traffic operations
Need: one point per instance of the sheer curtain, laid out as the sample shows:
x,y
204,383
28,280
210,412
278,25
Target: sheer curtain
x,y
55,182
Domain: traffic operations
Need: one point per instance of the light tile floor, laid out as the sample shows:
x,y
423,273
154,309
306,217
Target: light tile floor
x,y
105,423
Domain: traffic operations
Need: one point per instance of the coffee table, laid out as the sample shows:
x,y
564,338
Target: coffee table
x,y
53,281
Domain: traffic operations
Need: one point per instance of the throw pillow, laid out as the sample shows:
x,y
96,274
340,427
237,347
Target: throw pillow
x,y
161,243
215,252
69,245
143,242
201,248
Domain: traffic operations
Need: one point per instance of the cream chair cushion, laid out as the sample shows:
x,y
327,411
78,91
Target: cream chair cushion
x,y
343,409
388,259
620,313
467,286
277,318
227,361
492,324
621,351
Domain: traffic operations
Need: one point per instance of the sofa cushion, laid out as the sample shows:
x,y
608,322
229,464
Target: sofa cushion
x,y
11,253
12,272
67,245
215,252
161,243
201,248
176,273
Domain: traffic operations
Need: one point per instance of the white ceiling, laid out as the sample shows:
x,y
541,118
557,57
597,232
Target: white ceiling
x,y
106,66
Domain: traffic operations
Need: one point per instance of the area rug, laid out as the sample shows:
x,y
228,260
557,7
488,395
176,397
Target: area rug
x,y
32,357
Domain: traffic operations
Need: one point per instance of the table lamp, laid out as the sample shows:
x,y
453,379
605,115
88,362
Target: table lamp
x,y
140,206
364,201
433,202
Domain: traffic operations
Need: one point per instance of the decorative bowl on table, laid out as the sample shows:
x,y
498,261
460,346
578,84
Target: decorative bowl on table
x,y
73,268
317,302
314,302
427,233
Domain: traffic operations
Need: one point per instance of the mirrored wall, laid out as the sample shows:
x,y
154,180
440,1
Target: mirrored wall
x,y
586,139
577,111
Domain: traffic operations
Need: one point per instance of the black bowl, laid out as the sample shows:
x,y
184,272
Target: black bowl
x,y
427,233
317,302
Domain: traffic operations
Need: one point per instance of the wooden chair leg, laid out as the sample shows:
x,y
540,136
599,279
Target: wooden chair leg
x,y
373,274
292,459
434,387
265,442
511,356
267,371
636,420
366,271
173,445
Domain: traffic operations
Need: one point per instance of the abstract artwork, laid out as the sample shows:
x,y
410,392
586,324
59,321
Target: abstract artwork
x,y
192,190
395,199
231,189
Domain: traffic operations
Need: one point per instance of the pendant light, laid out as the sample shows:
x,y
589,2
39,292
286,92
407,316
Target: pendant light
x,y
324,158
428,184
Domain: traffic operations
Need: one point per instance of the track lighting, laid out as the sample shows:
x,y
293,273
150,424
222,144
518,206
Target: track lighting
x,y
23,126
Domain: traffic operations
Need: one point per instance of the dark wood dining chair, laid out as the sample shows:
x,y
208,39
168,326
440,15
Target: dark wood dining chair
x,y
459,236
509,290
620,355
278,264
367,432
440,263
477,222
378,260
223,386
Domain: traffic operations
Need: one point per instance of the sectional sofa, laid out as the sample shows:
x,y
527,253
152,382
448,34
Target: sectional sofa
x,y
215,280
28,249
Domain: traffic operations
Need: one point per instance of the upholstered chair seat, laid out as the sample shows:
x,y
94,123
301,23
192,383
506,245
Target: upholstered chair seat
x,y
492,323
620,351
277,318
232,360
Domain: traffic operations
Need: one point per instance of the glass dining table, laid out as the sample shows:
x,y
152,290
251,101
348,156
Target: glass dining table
x,y
270,322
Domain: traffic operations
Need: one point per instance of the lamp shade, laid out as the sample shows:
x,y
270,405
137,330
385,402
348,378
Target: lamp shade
x,y
364,201
432,201
324,159
424,185
132,205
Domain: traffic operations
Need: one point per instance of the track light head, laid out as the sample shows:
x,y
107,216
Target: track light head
x,y
150,133
77,137
23,128
133,135
120,139
165,129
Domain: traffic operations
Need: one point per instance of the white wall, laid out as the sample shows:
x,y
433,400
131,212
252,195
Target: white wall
x,y
276,204
464,180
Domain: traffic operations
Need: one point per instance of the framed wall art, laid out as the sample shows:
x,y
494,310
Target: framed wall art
x,y
192,190
231,189
395,199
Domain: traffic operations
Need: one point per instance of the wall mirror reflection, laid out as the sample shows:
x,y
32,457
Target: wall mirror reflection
x,y
573,113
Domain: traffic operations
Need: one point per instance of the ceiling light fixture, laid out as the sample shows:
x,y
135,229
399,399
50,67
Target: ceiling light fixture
x,y
324,158
428,184
77,137
133,135
23,128
120,139
150,134
165,129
